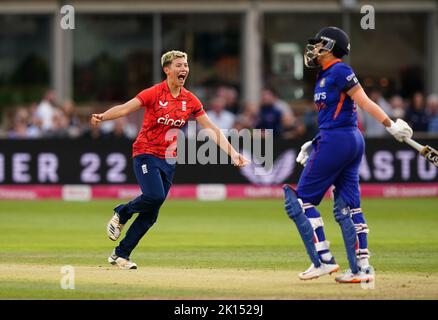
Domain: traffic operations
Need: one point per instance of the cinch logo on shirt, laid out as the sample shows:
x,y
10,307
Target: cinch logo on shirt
x,y
171,122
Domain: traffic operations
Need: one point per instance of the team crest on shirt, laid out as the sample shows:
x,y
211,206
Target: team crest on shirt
x,y
163,104
322,83
184,106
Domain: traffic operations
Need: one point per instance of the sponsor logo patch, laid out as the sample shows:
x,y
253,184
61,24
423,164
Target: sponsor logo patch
x,y
171,122
352,77
322,83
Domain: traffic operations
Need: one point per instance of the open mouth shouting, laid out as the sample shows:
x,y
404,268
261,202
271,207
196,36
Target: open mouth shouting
x,y
182,77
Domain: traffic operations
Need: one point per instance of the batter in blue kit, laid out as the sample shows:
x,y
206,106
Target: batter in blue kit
x,y
333,158
339,146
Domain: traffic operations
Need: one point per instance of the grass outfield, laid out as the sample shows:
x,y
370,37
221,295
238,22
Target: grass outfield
x,y
210,250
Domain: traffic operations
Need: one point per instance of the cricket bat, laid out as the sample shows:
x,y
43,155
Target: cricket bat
x,y
428,152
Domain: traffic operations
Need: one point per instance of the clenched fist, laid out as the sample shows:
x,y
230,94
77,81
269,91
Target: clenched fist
x,y
96,118
239,160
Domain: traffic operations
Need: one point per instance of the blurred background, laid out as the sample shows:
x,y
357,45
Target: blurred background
x,y
246,62
245,56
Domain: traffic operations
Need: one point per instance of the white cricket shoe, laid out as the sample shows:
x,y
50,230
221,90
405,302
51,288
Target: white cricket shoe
x,y
365,276
114,228
312,272
122,263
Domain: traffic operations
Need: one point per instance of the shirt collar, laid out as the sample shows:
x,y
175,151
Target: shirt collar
x,y
329,64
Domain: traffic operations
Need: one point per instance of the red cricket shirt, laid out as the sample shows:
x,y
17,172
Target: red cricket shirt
x,y
162,113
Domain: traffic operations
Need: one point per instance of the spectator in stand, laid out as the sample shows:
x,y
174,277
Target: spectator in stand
x,y
247,118
371,127
432,110
416,115
398,107
310,119
270,117
92,133
229,94
35,124
19,125
59,125
221,117
73,121
46,109
129,129
118,130
285,108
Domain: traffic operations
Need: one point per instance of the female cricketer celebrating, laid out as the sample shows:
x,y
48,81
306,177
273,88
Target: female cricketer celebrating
x,y
167,105
333,158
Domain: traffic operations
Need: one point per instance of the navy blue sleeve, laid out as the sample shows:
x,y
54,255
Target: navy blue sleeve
x,y
345,78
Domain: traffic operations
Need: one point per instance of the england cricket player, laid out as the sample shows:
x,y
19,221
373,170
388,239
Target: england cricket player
x,y
333,158
167,105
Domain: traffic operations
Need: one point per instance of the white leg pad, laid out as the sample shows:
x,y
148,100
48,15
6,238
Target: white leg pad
x,y
323,245
316,222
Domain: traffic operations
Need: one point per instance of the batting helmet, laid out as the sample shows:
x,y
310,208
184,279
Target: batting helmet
x,y
332,39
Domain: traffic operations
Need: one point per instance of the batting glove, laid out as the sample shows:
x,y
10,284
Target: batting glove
x,y
400,130
303,156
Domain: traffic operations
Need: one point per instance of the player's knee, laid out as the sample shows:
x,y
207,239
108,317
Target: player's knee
x,y
341,210
153,200
341,215
159,199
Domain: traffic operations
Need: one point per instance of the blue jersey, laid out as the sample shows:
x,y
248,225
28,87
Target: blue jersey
x,y
336,109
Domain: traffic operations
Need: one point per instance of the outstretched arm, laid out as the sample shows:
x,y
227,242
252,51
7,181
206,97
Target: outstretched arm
x,y
218,137
399,129
115,112
361,98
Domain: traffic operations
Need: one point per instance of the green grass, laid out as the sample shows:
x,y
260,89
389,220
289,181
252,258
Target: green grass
x,y
232,236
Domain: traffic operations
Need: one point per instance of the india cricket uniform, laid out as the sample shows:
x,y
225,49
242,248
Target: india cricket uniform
x,y
337,150
154,144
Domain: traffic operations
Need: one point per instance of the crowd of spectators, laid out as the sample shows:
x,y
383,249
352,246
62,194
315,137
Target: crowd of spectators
x,y
49,118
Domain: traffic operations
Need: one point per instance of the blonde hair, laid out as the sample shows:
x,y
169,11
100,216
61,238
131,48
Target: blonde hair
x,y
169,56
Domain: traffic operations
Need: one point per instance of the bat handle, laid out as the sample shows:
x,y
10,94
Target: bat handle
x,y
414,144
